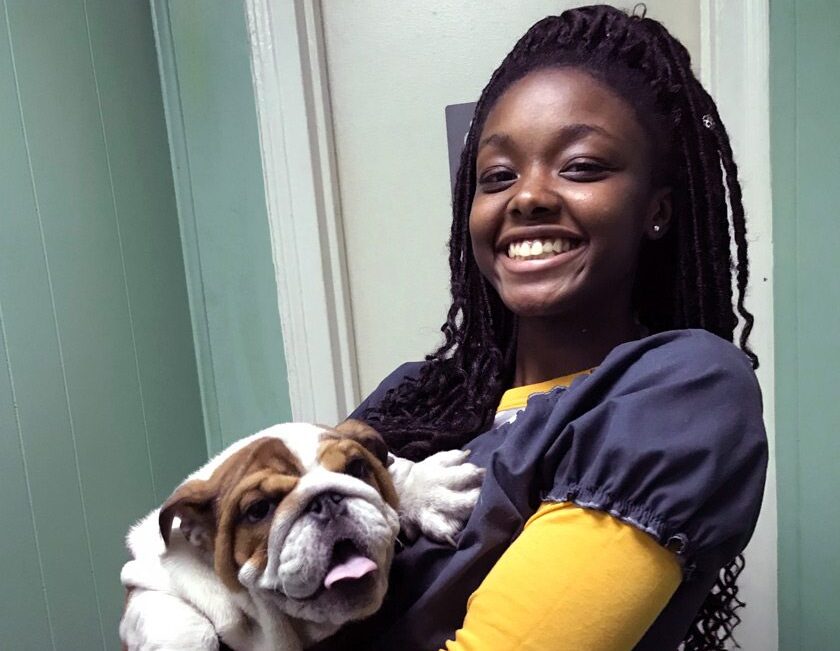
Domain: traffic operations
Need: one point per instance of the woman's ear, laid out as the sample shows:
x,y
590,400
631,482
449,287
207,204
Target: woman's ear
x,y
658,219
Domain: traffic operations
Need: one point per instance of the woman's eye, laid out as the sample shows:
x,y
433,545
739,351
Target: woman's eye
x,y
259,510
584,171
356,468
496,178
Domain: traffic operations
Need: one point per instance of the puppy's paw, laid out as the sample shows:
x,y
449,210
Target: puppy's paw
x,y
157,621
437,495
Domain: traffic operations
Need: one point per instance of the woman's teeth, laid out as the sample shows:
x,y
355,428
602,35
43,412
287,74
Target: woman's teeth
x,y
536,249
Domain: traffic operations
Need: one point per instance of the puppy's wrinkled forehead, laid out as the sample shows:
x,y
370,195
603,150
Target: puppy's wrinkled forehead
x,y
289,452
266,456
334,442
294,449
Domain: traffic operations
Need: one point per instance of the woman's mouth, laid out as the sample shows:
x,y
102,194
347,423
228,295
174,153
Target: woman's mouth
x,y
542,248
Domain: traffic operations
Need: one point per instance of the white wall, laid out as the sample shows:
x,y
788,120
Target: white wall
x,y
393,66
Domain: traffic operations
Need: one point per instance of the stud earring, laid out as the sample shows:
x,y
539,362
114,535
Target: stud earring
x,y
656,228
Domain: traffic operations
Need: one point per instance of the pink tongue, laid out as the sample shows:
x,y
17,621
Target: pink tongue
x,y
354,567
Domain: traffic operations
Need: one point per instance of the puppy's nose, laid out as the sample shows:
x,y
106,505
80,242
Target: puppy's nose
x,y
326,505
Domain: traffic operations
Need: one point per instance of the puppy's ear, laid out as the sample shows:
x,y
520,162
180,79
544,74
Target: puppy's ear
x,y
192,502
365,435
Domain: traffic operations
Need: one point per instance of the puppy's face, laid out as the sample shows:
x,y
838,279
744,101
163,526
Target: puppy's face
x,y
305,517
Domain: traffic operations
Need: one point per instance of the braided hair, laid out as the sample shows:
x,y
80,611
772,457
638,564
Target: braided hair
x,y
684,280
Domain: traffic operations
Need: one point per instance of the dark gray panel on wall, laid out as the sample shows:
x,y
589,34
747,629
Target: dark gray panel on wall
x,y
458,120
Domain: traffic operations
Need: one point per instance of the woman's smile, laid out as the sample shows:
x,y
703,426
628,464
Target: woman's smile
x,y
541,249
537,254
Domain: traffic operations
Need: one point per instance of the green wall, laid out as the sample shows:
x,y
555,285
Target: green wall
x,y
214,139
805,95
100,410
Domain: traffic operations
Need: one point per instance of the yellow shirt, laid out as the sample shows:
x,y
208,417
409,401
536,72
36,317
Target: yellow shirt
x,y
604,586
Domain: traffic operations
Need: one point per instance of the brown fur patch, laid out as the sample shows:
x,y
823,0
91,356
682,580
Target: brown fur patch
x,y
264,469
354,440
366,435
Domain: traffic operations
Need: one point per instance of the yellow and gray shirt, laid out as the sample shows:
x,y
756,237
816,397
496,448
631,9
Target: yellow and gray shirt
x,y
610,503
604,567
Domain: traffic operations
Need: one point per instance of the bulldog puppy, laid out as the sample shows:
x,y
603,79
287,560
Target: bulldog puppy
x,y
283,537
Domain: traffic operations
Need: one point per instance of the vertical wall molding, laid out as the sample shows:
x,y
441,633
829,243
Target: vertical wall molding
x,y
295,124
786,175
187,222
734,67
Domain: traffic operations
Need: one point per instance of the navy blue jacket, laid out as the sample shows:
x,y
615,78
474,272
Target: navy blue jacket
x,y
666,434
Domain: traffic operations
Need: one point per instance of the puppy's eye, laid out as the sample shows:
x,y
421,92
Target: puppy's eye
x,y
357,468
259,510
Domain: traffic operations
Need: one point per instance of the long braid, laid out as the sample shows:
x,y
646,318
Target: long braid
x,y
684,280
739,229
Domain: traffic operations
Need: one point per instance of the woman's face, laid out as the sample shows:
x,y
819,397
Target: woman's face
x,y
564,196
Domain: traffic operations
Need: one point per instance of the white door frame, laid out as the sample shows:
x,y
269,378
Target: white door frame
x,y
296,143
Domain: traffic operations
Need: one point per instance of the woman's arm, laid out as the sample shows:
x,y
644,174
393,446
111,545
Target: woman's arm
x,y
574,580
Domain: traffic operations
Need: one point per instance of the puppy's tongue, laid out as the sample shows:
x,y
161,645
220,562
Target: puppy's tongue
x,y
355,567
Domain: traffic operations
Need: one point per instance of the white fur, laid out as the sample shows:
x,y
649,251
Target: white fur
x,y
437,494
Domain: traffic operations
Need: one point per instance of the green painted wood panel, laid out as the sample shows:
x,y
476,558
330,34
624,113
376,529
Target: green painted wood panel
x,y
211,117
97,337
24,619
37,370
805,64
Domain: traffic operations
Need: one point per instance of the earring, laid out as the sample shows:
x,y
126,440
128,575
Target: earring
x,y
656,228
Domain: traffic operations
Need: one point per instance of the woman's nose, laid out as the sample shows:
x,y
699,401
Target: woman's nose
x,y
535,197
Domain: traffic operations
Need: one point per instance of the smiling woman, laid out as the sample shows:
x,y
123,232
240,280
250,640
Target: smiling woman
x,y
586,361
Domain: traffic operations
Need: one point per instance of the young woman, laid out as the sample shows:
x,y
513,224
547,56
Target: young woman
x,y
586,362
